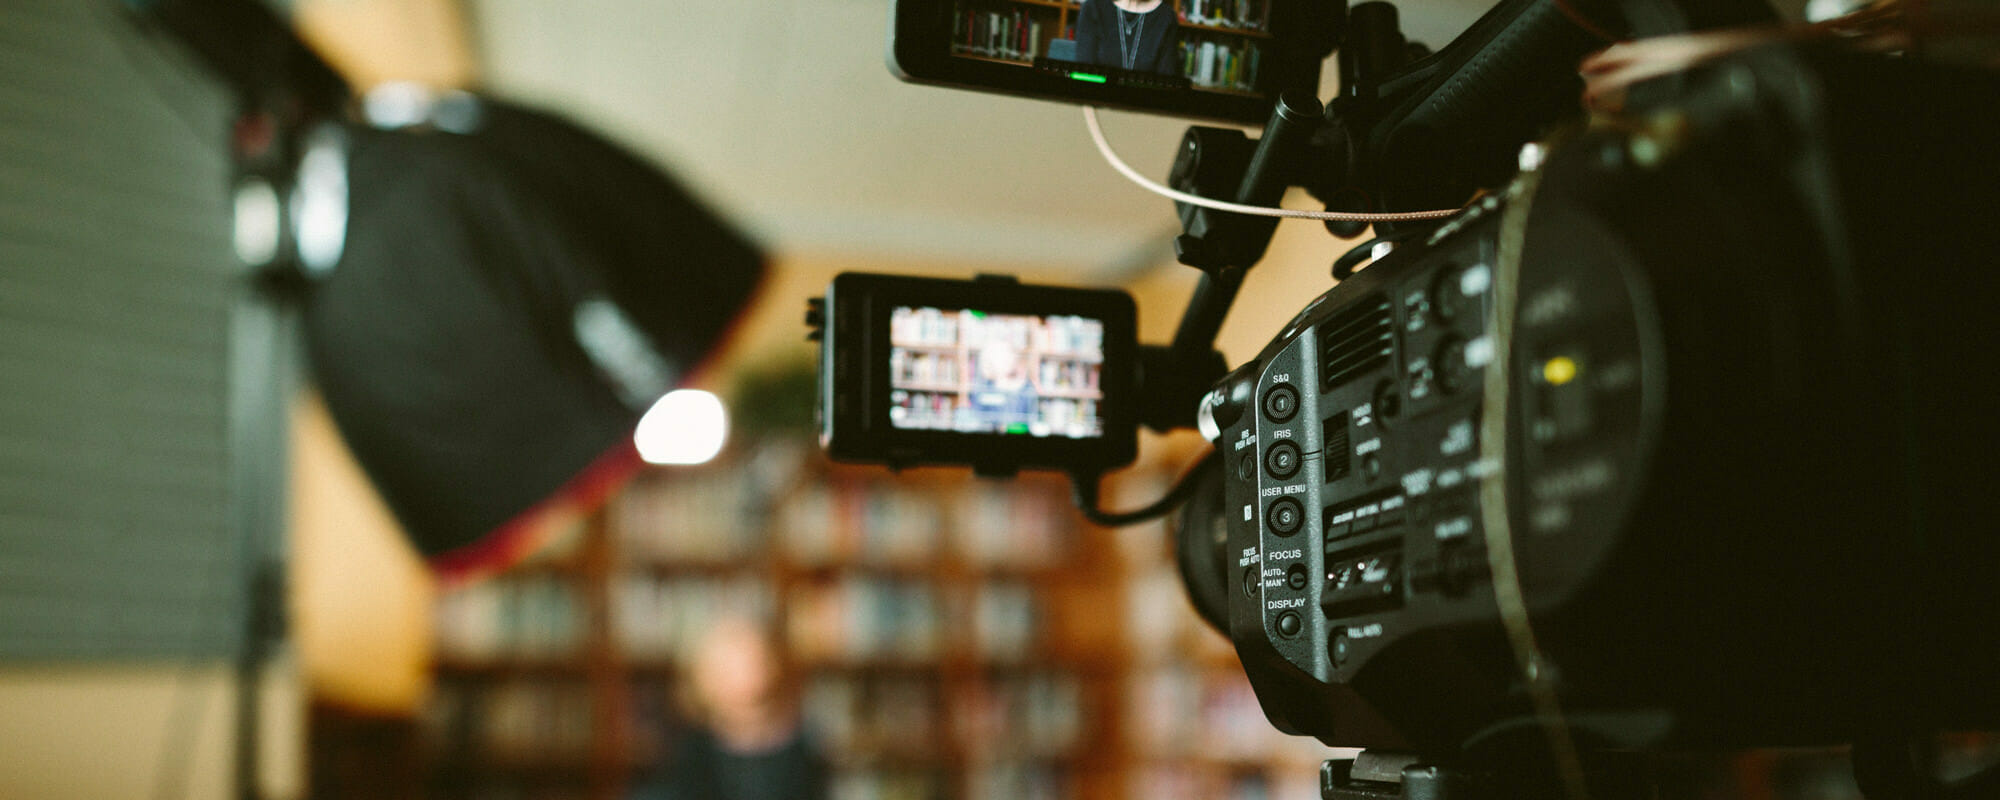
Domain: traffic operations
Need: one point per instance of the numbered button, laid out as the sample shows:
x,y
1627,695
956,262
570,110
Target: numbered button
x,y
1285,516
1282,460
1281,403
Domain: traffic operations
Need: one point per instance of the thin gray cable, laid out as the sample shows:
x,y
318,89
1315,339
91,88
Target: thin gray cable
x,y
1494,513
1104,146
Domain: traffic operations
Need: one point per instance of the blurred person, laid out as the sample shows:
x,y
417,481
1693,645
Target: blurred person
x,y
1137,35
747,740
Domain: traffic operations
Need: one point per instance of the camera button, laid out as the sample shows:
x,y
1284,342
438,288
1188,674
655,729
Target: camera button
x,y
1289,624
1282,460
1281,403
1285,516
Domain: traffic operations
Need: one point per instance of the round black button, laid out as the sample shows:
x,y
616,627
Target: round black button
x,y
1285,515
1341,649
1387,401
1282,460
1246,467
1289,624
1281,402
1250,582
1371,467
1296,577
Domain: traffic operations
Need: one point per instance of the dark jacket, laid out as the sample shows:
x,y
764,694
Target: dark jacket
x,y
1158,49
700,768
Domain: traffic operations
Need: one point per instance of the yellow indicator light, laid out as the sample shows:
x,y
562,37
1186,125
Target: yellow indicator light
x,y
1559,370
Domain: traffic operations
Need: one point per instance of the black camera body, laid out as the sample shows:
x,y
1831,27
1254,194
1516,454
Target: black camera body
x,y
1683,440
1745,442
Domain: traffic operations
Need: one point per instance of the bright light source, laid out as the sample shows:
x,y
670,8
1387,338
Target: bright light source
x,y
259,221
686,426
319,202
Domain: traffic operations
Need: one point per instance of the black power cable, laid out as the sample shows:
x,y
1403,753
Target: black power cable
x,y
1084,490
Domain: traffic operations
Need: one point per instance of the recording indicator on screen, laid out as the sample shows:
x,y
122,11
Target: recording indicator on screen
x,y
969,371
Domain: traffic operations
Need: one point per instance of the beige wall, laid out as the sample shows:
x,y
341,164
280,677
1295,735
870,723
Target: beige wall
x,y
112,733
373,41
360,597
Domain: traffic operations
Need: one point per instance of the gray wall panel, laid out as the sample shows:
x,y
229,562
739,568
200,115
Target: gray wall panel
x,y
121,531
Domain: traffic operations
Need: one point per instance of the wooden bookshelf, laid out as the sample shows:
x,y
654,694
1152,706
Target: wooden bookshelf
x,y
985,679
1030,654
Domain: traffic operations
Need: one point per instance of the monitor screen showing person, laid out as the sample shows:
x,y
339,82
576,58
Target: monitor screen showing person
x,y
970,371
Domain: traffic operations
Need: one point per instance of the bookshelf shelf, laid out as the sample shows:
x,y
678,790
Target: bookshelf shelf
x,y
505,667
1250,32
1225,90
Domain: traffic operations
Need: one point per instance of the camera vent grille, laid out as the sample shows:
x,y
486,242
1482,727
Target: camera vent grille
x,y
1355,341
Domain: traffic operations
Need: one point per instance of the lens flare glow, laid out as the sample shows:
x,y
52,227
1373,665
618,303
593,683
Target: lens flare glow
x,y
686,426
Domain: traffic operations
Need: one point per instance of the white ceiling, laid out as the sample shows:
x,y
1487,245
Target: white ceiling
x,y
783,113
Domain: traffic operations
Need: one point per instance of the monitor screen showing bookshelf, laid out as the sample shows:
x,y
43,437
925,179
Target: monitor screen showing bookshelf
x,y
1217,46
969,371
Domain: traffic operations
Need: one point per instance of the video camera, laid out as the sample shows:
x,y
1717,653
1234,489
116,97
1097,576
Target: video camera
x,y
1676,436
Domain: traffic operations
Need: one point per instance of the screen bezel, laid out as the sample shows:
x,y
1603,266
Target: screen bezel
x,y
879,295
920,52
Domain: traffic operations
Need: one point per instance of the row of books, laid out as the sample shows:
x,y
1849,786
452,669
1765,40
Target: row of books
x,y
1043,714
1015,525
691,516
702,520
862,522
868,720
865,619
1220,62
887,785
1068,375
1013,35
509,722
1018,781
1246,781
858,521
940,409
656,618
865,720
537,616
1245,14
661,617
922,368
923,327
1186,711
993,782
1053,335
1006,620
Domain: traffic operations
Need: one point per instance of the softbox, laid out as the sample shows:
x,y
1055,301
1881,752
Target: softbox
x,y
511,296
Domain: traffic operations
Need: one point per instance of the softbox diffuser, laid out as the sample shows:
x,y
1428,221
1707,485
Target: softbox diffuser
x,y
509,300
